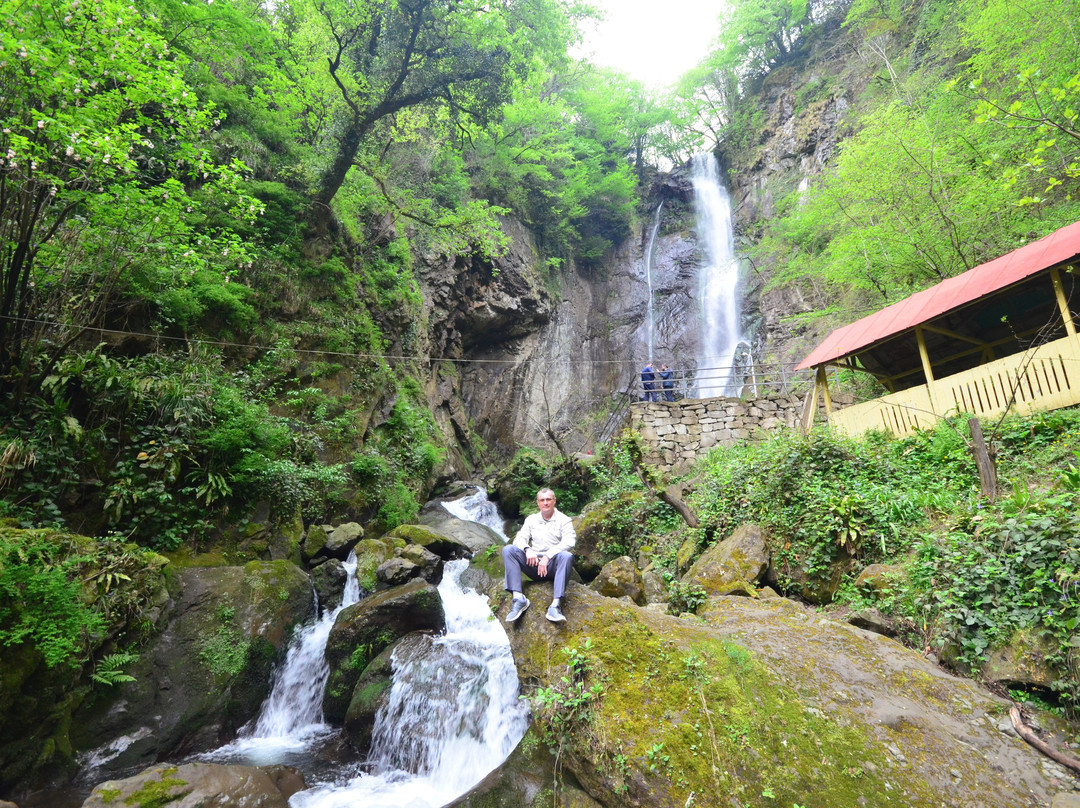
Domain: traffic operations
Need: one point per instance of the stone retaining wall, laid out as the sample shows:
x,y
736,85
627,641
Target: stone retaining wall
x,y
676,432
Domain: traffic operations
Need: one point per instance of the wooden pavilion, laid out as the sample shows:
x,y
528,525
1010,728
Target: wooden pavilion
x,y
999,337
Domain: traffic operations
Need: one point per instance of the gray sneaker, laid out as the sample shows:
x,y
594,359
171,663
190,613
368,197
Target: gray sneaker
x,y
555,615
517,608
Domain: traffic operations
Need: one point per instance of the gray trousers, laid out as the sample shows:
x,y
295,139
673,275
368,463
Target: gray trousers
x,y
514,562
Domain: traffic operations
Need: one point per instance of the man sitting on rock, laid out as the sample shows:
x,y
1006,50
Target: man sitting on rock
x,y
542,550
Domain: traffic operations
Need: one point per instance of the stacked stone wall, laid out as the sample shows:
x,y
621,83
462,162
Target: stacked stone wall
x,y
676,432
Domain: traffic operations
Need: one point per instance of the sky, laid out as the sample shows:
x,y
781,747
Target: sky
x,y
654,41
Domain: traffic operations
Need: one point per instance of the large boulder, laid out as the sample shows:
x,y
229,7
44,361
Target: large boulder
x,y
604,533
818,584
363,630
620,579
206,674
1024,661
742,557
201,785
768,703
410,561
329,541
449,537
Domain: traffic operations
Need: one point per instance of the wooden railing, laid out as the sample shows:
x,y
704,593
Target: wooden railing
x,y
1042,378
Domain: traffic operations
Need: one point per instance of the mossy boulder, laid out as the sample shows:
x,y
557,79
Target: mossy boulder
x,y
207,673
742,557
198,785
410,561
449,537
818,583
880,580
620,579
329,580
370,693
330,541
370,553
1024,661
363,630
763,703
605,531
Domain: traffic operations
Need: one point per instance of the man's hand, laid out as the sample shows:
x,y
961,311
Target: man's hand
x,y
531,558
541,567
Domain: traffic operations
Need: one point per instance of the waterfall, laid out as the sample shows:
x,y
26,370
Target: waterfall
x,y
717,282
453,713
291,718
650,318
478,508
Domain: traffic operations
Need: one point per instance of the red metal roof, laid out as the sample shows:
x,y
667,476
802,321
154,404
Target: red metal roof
x,y
1060,246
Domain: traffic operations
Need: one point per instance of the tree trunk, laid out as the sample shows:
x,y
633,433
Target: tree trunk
x,y
984,460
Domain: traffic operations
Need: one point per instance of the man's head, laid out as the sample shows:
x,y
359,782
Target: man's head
x,y
545,501
663,367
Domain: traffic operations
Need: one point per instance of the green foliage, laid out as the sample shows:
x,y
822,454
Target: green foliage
x,y
683,597
566,708
62,594
968,151
109,670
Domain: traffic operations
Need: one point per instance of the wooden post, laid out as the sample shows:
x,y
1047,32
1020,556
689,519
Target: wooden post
x,y
928,371
823,383
1063,304
809,410
984,460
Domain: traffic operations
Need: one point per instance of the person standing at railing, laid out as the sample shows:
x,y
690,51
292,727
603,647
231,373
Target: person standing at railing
x,y
666,382
648,382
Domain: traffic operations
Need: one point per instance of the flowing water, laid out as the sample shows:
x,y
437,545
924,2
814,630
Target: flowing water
x,y
452,716
477,508
718,282
650,316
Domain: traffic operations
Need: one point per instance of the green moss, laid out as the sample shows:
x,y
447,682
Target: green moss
x,y
158,793
718,713
108,794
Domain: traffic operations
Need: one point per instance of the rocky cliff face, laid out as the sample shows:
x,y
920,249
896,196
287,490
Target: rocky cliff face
x,y
548,350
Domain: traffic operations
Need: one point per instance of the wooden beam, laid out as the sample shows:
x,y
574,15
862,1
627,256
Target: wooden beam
x,y
952,334
1063,304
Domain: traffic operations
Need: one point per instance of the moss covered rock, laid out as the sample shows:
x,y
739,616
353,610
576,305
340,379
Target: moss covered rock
x,y
742,557
527,779
362,631
449,537
200,784
370,553
207,673
620,579
762,704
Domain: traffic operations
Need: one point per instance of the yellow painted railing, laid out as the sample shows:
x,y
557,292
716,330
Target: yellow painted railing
x,y
1043,378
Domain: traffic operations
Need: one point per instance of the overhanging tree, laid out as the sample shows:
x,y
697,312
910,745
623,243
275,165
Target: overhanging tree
x,y
464,57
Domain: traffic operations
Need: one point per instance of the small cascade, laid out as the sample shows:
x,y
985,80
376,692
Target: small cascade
x,y
291,717
453,713
718,282
477,508
650,318
294,707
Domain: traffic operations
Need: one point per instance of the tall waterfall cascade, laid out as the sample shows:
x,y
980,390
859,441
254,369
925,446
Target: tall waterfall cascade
x,y
453,712
718,282
650,312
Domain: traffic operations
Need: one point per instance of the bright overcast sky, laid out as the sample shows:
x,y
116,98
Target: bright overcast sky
x,y
654,41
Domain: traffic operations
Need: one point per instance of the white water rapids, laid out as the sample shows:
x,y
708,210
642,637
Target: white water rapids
x,y
452,716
